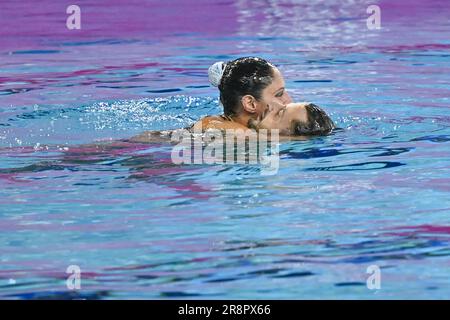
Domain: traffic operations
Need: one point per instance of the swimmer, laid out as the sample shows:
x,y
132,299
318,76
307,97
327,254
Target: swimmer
x,y
253,96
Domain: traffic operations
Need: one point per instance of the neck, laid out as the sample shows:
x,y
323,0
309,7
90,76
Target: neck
x,y
242,119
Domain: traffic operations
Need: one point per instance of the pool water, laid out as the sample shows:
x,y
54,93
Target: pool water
x,y
374,193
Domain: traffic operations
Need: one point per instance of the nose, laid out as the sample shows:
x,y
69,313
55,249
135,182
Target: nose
x,y
287,99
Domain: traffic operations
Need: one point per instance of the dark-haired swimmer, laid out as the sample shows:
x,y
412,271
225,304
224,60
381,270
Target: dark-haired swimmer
x,y
253,95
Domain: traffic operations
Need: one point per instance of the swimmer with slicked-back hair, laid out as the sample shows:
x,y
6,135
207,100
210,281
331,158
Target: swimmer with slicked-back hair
x,y
253,96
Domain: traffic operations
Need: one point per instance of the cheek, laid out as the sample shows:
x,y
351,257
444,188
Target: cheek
x,y
267,97
284,99
261,108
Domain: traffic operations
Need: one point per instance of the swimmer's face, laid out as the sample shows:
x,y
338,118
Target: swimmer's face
x,y
274,93
296,119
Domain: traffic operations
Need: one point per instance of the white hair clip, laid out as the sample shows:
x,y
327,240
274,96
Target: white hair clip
x,y
215,73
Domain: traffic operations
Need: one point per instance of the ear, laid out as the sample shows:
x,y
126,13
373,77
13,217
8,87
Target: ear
x,y
249,103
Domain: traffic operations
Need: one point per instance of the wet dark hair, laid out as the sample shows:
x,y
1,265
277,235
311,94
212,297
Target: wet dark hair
x,y
247,75
318,122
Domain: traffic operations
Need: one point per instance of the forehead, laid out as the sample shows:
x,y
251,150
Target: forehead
x,y
277,81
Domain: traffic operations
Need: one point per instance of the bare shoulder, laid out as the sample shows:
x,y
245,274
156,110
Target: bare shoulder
x,y
216,122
